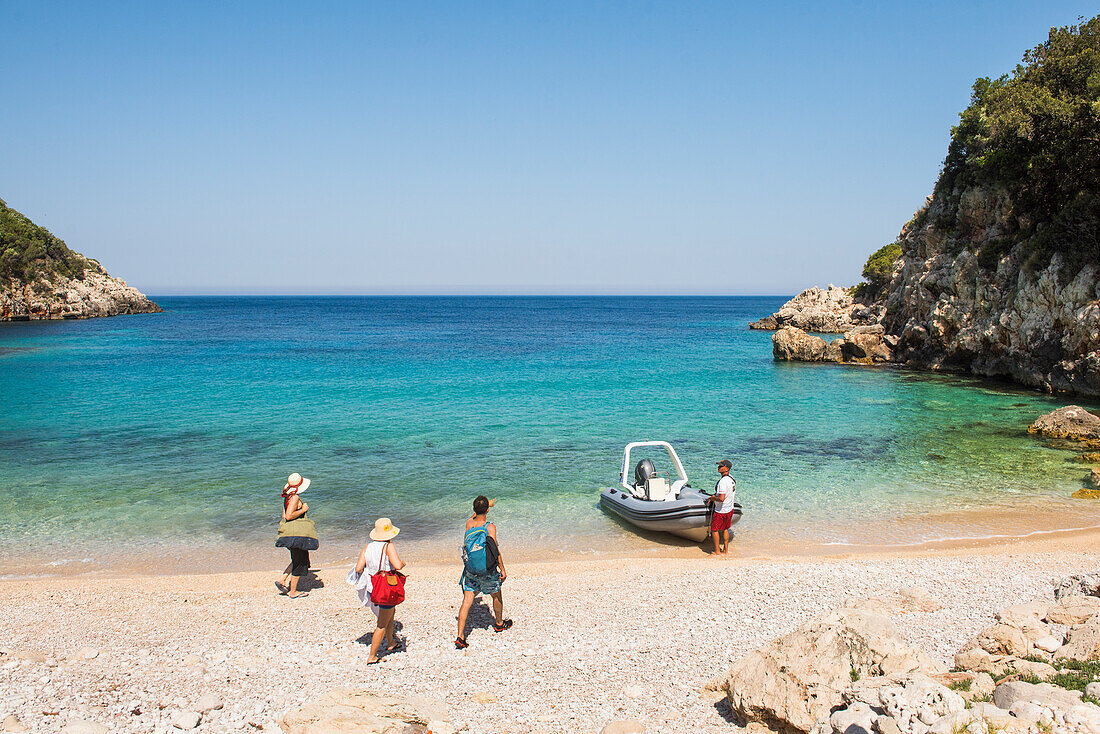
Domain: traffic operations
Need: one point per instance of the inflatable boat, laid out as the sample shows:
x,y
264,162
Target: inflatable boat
x,y
657,502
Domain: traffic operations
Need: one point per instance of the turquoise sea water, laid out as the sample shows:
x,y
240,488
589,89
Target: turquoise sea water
x,y
180,428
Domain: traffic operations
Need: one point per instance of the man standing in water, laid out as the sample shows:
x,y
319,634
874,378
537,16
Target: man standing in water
x,y
482,569
722,500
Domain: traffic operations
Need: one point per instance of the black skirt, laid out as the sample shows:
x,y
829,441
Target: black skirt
x,y
297,541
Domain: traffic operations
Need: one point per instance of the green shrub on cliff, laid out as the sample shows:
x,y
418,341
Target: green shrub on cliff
x,y
878,269
28,251
1036,134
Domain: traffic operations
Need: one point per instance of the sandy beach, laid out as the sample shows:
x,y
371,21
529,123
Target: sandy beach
x,y
594,640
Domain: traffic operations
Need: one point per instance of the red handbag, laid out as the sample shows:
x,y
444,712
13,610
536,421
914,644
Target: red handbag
x,y
387,588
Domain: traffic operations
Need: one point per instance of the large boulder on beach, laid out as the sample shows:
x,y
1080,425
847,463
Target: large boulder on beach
x,y
350,710
1082,584
796,345
792,683
1072,422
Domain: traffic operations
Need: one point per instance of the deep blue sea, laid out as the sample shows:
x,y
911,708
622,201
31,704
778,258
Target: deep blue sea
x,y
179,429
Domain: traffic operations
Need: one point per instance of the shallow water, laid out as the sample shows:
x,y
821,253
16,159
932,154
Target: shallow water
x,y
179,428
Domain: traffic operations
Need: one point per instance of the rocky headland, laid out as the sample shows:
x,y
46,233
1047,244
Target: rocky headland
x,y
829,310
998,274
41,278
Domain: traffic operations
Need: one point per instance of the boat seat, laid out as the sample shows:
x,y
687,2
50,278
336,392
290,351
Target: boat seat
x,y
657,488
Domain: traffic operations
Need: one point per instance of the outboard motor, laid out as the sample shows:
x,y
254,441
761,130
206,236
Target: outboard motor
x,y
643,471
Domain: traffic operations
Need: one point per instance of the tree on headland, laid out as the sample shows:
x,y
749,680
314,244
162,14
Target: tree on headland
x,y
28,251
878,269
1036,134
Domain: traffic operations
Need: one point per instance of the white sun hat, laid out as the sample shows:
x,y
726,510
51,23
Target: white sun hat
x,y
296,484
384,529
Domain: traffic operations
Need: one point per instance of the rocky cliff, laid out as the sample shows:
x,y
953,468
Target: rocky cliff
x,y
998,274
1039,326
41,278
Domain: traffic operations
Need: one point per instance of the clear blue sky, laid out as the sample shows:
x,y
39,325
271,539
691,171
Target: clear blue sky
x,y
511,147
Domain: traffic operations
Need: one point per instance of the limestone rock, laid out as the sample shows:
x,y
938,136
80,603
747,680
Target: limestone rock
x,y
1047,643
1090,457
867,345
974,658
1085,493
799,678
768,323
1082,584
1072,422
1002,639
1042,671
94,294
209,702
185,720
1044,694
918,702
1071,610
625,726
856,719
80,726
86,653
919,599
983,685
1027,711
794,344
1083,642
354,710
829,310
12,723
886,725
1085,716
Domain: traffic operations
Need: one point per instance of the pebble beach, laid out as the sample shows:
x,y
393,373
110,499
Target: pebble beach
x,y
595,641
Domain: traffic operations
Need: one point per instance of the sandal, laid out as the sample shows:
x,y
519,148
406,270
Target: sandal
x,y
397,647
460,643
506,624
374,662
282,589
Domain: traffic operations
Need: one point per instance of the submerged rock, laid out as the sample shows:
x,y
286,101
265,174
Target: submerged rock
x,y
1072,422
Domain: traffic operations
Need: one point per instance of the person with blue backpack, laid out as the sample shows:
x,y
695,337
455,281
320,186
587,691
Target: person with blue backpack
x,y
482,569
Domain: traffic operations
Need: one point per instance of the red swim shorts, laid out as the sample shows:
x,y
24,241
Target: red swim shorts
x,y
721,521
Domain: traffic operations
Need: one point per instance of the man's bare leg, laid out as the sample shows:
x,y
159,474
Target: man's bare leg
x,y
463,612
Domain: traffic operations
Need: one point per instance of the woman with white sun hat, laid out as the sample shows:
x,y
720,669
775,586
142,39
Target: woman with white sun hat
x,y
297,533
378,556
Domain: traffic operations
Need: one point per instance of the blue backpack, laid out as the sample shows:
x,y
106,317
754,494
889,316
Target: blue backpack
x,y
479,552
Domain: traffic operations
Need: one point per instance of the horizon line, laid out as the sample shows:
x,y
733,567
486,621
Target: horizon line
x,y
461,295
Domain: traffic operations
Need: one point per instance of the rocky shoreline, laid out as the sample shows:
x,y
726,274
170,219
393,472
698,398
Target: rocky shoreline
x,y
95,294
947,311
829,310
